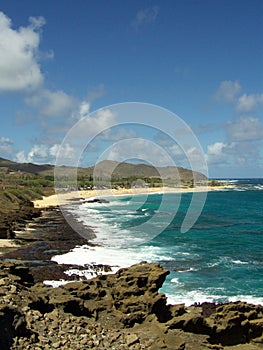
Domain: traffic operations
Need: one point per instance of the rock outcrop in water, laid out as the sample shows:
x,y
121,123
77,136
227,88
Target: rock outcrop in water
x,y
118,311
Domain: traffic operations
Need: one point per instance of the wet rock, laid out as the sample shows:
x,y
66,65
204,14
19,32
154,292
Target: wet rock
x,y
97,200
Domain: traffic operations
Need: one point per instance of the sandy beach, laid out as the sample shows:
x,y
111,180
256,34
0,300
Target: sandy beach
x,y
68,197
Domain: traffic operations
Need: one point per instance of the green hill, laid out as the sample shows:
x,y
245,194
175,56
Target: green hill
x,y
25,167
107,169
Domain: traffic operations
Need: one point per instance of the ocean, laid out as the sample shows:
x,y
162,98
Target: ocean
x,y
219,259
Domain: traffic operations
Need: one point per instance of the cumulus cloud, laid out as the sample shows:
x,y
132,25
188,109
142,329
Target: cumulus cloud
x,y
84,109
242,147
245,129
52,103
67,150
38,154
42,153
20,157
228,91
6,147
186,155
145,17
234,154
247,103
19,67
216,153
93,125
20,70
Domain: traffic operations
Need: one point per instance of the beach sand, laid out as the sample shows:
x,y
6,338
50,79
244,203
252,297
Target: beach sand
x,y
69,197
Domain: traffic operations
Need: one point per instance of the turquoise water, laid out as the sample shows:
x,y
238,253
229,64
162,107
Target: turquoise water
x,y
219,259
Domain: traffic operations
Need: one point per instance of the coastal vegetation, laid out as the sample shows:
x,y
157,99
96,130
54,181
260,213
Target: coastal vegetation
x,y
24,182
30,181
21,183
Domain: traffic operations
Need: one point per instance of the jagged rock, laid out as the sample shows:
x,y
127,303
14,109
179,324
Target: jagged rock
x,y
97,200
121,311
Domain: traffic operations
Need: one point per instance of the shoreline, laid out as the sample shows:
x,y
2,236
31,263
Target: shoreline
x,y
69,197
41,239
11,248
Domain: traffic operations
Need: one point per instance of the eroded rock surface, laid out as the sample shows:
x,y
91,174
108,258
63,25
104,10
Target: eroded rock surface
x,y
118,311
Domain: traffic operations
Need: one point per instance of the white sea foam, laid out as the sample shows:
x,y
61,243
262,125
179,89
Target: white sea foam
x,y
176,281
187,270
55,284
84,255
116,258
189,298
106,222
239,262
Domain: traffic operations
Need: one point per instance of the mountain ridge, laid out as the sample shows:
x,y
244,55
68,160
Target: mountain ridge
x,y
109,168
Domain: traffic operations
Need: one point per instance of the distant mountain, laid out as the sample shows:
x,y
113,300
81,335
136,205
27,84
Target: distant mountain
x,y
110,169
25,167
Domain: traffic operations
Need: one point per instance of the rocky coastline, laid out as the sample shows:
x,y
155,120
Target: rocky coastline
x,y
118,311
115,311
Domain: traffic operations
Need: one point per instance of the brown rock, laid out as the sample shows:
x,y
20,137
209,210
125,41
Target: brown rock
x,y
121,311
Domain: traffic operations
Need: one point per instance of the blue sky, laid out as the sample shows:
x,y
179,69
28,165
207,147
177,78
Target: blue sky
x,y
60,60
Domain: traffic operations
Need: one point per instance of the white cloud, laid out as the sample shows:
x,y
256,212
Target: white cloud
x,y
247,103
245,129
84,109
20,157
234,154
228,91
6,147
77,140
38,154
216,153
42,153
52,104
216,148
184,155
93,125
37,22
145,17
5,140
19,68
66,149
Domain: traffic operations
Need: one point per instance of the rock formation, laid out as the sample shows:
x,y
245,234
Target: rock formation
x,y
117,311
